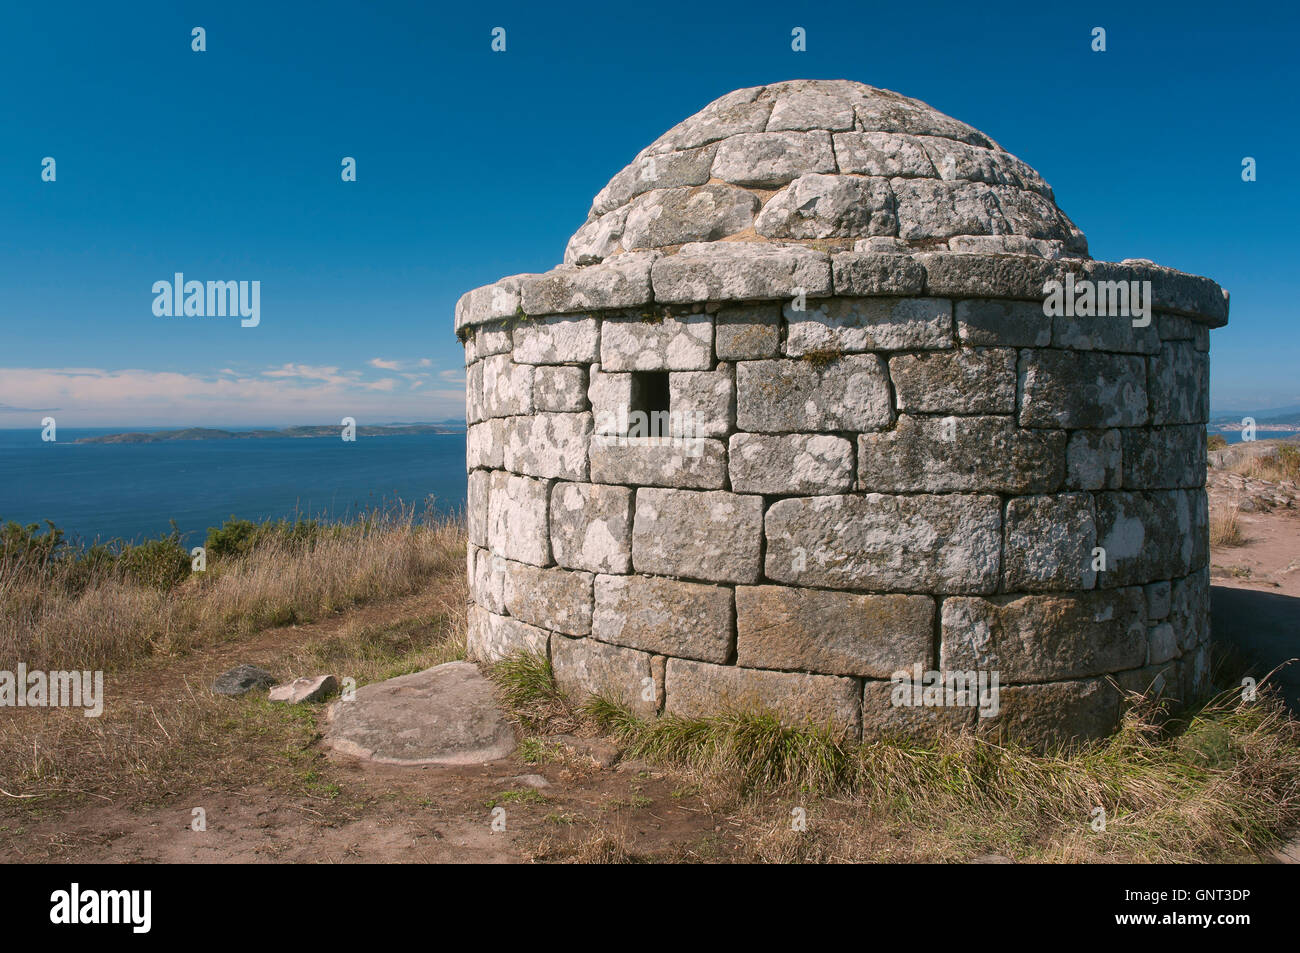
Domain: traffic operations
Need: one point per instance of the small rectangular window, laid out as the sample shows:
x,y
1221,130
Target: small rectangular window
x,y
649,411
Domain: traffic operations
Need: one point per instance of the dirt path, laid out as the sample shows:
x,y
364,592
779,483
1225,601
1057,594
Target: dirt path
x,y
1255,588
366,812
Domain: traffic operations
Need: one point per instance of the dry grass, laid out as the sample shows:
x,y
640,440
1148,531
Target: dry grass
x,y
113,621
1225,526
1282,466
1220,782
169,736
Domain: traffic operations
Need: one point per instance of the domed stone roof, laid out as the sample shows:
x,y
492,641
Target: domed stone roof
x,y
827,163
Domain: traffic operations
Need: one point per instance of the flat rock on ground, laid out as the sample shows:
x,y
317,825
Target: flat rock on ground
x,y
302,690
444,715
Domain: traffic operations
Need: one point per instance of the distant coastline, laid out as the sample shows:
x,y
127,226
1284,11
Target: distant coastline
x,y
212,433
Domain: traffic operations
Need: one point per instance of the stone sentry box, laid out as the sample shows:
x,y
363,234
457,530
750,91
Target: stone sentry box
x,y
904,463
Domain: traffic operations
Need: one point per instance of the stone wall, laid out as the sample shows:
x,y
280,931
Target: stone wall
x,y
913,470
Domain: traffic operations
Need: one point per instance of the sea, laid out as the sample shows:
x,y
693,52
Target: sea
x,y
130,491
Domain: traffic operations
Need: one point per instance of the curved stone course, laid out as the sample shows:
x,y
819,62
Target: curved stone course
x,y
900,463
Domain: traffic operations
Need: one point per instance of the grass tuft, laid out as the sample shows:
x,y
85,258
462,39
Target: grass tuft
x,y
1225,526
1220,781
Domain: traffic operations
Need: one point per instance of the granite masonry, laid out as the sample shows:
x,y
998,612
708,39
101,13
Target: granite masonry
x,y
872,448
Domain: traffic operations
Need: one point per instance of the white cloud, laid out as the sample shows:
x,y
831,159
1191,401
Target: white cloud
x,y
287,394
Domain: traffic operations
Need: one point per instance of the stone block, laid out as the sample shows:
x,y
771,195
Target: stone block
x,y
712,535
491,637
478,489
1158,599
701,690
585,667
591,527
1163,645
789,464
554,599
474,393
549,445
632,343
1180,384
874,542
1093,460
832,633
810,108
558,339
507,387
610,396
875,273
739,111
929,208
1146,536
829,206
704,401
740,271
788,396
495,338
938,454
881,153
992,321
677,216
621,281
485,444
1049,542
771,159
849,325
681,619
646,173
517,518
1054,714
747,333
560,389
1082,389
1045,638
488,581
697,463
972,380
1164,457
895,710
1104,333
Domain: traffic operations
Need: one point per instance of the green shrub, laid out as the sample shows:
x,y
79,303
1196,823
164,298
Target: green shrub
x,y
26,544
238,537
157,563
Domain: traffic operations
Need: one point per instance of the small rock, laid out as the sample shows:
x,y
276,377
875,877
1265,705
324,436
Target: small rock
x,y
637,766
242,679
598,750
305,690
535,781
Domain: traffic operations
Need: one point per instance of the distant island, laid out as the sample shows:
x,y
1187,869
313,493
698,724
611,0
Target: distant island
x,y
1278,423
328,430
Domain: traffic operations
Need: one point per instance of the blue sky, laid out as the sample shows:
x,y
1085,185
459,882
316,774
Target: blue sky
x,y
473,165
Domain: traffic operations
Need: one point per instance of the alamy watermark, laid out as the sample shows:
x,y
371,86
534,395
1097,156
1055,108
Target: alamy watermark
x,y
952,689
39,689
1086,298
638,428
212,299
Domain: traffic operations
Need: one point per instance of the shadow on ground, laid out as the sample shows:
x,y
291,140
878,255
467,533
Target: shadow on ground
x,y
1264,628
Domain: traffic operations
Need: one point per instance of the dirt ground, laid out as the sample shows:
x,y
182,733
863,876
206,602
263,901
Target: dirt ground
x,y
578,801
582,799
1255,588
